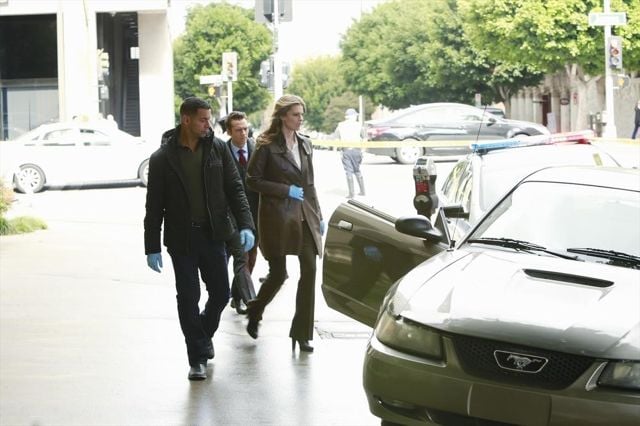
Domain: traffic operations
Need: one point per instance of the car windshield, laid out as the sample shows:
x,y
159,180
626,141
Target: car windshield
x,y
559,216
500,172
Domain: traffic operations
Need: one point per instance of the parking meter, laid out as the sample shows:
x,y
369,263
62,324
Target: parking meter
x,y
424,176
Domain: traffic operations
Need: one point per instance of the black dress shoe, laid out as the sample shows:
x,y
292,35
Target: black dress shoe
x,y
198,372
304,345
252,327
241,308
210,351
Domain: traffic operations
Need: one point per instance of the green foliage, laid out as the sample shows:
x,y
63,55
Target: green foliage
x,y
22,225
548,35
210,31
316,80
412,52
18,225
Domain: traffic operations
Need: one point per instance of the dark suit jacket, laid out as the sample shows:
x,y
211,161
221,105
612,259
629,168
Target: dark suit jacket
x,y
272,169
252,196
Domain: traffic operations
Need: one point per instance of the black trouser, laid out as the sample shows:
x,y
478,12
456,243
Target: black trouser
x,y
302,323
209,257
242,284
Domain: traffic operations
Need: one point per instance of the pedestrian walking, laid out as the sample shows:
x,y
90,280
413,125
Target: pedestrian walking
x,y
242,148
637,121
289,217
193,187
349,130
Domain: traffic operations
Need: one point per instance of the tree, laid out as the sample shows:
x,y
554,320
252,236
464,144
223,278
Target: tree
x,y
551,36
210,31
413,52
317,80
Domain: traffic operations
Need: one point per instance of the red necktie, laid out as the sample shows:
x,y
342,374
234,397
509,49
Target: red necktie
x,y
241,158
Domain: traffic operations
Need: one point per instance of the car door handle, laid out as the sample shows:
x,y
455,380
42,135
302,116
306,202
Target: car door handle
x,y
346,226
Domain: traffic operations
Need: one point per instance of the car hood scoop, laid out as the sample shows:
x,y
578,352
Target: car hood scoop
x,y
552,303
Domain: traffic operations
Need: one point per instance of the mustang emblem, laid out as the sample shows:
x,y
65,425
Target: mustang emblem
x,y
520,362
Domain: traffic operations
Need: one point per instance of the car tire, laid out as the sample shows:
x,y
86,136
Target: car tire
x,y
408,154
29,179
143,173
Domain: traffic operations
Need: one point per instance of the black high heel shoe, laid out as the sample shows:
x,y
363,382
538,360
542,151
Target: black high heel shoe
x,y
304,345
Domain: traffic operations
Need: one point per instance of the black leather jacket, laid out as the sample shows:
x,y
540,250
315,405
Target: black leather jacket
x,y
167,198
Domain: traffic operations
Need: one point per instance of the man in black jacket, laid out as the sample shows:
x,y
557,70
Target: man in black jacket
x,y
194,187
241,148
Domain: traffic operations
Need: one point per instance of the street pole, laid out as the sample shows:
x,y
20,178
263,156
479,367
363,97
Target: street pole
x,y
229,94
610,126
277,64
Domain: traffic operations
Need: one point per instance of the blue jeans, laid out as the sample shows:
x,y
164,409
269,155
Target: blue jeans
x,y
208,257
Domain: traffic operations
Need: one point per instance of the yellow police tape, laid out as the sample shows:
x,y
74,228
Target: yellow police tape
x,y
439,143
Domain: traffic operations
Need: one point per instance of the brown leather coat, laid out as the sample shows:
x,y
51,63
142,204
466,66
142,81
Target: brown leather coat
x,y
272,169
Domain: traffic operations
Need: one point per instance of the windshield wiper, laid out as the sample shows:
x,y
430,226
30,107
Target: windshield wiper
x,y
616,257
519,245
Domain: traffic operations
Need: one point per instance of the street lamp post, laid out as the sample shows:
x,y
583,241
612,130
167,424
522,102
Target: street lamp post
x,y
610,126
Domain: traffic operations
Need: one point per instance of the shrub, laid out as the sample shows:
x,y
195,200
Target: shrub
x,y
18,225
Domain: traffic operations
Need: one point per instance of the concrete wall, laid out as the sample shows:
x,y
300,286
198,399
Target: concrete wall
x,y
78,61
156,75
583,99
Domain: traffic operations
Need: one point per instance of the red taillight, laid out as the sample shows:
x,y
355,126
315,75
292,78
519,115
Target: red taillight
x,y
374,132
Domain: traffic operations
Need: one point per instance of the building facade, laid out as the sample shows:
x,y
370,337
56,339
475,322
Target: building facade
x,y
86,59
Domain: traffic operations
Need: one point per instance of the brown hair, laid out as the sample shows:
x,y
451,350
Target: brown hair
x,y
233,116
283,105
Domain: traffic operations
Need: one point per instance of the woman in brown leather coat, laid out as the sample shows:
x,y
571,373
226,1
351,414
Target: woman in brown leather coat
x,y
290,222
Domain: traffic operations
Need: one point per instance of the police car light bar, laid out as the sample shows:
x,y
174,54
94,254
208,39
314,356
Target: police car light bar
x,y
522,141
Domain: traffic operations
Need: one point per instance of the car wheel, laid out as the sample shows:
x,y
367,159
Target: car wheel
x,y
407,154
143,172
29,179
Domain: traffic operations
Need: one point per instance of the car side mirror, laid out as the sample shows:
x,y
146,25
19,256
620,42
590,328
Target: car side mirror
x,y
491,121
455,211
418,226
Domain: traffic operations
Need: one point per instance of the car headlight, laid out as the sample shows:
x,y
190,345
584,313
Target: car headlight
x,y
407,336
622,374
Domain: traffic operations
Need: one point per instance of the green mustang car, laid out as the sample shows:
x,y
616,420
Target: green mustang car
x,y
533,317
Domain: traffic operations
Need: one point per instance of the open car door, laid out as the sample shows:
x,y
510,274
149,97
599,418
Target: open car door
x,y
364,255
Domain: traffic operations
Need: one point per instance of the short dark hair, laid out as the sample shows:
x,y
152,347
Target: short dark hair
x,y
190,106
233,116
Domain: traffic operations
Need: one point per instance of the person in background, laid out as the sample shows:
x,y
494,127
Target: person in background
x,y
290,221
349,130
193,185
242,149
637,121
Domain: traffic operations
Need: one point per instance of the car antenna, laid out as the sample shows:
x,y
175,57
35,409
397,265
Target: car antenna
x,y
484,113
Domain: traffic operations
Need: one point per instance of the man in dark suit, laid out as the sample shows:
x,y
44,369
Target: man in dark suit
x,y
242,147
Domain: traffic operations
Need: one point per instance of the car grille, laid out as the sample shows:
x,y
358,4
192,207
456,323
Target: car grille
x,y
477,358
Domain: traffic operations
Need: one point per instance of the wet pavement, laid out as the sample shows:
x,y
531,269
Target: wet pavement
x,y
90,336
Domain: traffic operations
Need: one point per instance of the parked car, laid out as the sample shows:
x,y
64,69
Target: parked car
x,y
478,180
73,153
453,126
531,319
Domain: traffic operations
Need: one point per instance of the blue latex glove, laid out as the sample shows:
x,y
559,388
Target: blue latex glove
x,y
296,192
154,260
246,239
323,227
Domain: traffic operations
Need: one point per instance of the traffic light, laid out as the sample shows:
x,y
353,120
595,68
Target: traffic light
x,y
615,52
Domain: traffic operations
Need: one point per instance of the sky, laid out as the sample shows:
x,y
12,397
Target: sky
x,y
315,30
